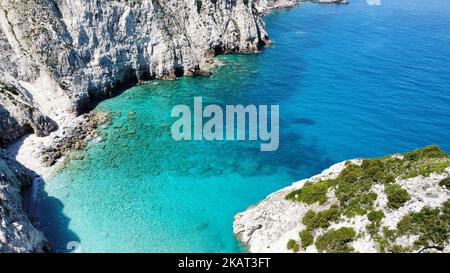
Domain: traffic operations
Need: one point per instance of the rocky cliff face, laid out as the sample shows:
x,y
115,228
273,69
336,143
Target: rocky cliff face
x,y
17,234
398,203
264,6
57,56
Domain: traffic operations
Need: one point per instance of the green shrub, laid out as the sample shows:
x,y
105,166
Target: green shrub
x,y
445,210
360,204
388,178
373,228
375,216
330,215
432,226
353,190
309,219
398,249
322,219
445,182
293,245
306,238
389,234
428,152
382,243
311,193
372,167
404,225
351,174
375,221
397,196
336,241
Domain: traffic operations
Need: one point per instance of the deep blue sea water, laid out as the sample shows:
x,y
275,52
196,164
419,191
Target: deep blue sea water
x,y
351,81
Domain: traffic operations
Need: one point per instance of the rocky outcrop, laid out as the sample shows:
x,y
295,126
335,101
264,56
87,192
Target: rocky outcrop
x,y
17,234
19,116
70,138
398,203
265,6
59,55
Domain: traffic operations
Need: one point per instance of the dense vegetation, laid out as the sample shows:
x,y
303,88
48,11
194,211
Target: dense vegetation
x,y
321,219
397,196
306,238
353,189
445,182
336,240
432,226
293,245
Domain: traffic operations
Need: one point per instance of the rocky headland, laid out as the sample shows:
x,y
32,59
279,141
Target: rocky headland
x,y
398,203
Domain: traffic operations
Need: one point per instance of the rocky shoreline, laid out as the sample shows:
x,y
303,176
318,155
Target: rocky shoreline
x,y
282,221
17,234
44,155
41,157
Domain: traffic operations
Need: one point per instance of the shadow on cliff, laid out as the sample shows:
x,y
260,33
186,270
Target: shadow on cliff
x,y
48,216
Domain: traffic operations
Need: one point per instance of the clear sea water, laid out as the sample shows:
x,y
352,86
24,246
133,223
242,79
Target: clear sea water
x,y
351,81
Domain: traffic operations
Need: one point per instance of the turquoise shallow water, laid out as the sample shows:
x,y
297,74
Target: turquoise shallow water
x,y
351,81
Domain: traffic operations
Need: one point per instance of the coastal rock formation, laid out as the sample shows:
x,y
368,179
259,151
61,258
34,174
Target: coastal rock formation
x,y
17,234
58,56
18,117
264,6
399,203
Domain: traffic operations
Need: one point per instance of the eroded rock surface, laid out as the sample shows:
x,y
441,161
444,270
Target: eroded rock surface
x,y
17,234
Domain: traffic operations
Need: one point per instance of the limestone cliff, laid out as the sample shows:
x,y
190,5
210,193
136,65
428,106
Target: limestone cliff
x,y
58,56
398,203
17,234
264,6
